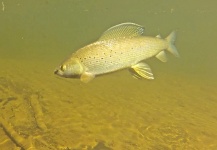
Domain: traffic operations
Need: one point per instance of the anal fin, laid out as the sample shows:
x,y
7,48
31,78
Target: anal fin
x,y
162,56
141,70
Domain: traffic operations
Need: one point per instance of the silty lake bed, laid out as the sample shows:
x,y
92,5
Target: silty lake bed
x,y
176,110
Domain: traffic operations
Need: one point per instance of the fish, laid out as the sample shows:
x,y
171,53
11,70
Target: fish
x,y
120,47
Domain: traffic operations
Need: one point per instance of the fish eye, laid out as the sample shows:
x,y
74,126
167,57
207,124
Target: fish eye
x,y
62,67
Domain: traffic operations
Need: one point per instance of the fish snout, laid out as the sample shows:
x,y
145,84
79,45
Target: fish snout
x,y
56,71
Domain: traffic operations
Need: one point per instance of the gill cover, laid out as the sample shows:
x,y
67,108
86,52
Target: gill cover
x,y
70,68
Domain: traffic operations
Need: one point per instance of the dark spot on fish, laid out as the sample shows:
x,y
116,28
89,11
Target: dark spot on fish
x,y
102,58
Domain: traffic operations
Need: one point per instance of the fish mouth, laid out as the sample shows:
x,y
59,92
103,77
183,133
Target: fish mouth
x,y
61,74
56,71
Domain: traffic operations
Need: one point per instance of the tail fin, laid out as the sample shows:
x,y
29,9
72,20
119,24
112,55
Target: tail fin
x,y
171,47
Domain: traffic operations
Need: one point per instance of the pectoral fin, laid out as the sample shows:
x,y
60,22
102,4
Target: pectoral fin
x,y
141,70
87,77
162,56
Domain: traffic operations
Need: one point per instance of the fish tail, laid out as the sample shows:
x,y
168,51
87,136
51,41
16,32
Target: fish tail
x,y
171,47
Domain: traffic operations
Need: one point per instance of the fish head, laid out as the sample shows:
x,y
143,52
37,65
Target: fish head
x,y
70,68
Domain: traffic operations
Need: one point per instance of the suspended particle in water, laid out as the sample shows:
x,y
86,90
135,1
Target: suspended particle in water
x,y
3,6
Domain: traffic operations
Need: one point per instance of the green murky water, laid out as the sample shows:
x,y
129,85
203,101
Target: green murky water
x,y
39,110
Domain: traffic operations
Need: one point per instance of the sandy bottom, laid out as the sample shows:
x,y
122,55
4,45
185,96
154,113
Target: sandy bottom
x,y
39,110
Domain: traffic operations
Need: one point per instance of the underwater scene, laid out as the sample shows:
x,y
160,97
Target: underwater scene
x,y
48,103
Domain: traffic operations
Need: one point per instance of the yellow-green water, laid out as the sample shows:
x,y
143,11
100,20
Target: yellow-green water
x,y
39,110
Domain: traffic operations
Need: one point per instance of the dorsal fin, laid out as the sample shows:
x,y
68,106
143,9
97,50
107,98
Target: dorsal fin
x,y
122,30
